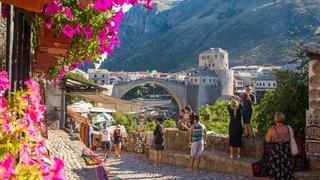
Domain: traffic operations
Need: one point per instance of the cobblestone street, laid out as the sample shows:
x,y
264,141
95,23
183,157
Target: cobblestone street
x,y
69,151
131,166
134,166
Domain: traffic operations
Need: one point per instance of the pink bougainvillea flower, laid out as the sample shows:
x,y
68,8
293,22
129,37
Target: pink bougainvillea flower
x,y
119,2
76,65
4,10
77,28
68,13
132,2
3,104
102,5
87,32
63,71
56,172
118,18
53,8
148,4
102,35
47,23
7,168
68,31
4,82
32,85
24,154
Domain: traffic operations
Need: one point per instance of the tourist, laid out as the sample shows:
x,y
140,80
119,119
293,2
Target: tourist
x,y
117,140
235,127
189,115
248,100
158,142
280,152
197,139
182,124
106,140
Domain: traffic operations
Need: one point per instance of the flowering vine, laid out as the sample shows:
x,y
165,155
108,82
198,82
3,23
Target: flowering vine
x,y
23,153
92,26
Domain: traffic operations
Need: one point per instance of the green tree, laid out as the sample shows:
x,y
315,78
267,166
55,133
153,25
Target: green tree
x,y
126,120
216,117
169,123
290,97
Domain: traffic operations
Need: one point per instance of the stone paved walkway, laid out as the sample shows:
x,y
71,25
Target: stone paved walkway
x,y
131,166
70,151
135,166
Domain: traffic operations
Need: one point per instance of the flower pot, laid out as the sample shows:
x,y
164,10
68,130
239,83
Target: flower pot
x,y
30,5
50,49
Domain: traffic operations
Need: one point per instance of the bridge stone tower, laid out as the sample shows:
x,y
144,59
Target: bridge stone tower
x,y
217,60
211,80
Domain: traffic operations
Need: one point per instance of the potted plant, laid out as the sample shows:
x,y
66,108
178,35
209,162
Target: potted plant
x,y
91,27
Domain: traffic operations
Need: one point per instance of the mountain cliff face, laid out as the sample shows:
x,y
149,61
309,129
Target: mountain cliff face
x,y
171,36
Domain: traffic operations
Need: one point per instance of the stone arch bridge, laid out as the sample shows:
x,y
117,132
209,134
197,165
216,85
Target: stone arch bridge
x,y
177,90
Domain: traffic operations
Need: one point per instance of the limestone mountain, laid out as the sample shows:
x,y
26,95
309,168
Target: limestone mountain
x,y
171,36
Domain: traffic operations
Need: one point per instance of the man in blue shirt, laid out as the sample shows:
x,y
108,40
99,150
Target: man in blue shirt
x,y
197,140
248,100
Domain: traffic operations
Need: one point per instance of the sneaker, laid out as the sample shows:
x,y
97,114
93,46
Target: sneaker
x,y
231,156
238,156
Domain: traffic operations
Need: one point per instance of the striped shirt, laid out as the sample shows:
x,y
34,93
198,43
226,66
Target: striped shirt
x,y
197,134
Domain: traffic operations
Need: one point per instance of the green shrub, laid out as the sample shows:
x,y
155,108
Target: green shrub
x,y
150,126
216,117
126,120
169,123
290,97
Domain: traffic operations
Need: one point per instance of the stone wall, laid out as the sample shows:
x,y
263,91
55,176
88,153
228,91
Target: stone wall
x,y
130,142
53,104
176,140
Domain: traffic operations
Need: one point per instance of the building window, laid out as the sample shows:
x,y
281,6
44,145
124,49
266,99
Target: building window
x,y
210,80
95,75
264,84
269,84
203,57
274,84
191,80
195,80
207,57
205,64
212,65
103,75
209,65
216,56
204,80
222,56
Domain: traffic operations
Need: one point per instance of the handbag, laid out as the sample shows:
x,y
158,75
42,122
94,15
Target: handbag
x,y
293,144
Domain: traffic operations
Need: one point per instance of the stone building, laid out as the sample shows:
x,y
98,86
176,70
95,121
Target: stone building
x,y
211,80
99,76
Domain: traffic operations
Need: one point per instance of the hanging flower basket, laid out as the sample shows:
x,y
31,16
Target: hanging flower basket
x,y
91,27
30,5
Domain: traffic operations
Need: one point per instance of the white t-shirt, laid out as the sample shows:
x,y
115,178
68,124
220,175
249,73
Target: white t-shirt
x,y
106,135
